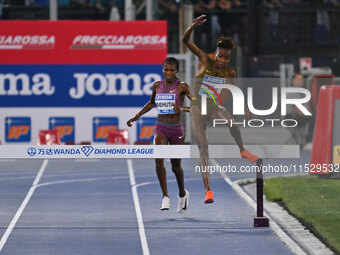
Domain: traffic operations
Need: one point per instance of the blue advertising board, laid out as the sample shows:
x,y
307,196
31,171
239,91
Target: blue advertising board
x,y
77,85
64,126
101,127
145,129
17,129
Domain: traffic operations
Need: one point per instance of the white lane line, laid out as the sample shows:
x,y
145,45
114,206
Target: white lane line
x,y
48,176
296,249
81,180
168,181
23,205
142,235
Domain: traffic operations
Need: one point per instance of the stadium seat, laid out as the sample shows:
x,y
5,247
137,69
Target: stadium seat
x,y
48,137
118,136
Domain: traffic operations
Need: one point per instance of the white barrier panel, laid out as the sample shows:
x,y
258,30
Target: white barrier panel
x,y
141,151
262,151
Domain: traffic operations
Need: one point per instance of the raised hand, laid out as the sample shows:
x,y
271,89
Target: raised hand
x,y
199,20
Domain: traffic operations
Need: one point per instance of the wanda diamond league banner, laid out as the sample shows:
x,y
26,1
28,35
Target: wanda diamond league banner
x,y
80,77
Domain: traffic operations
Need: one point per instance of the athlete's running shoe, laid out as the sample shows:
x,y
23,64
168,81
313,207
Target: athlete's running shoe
x,y
209,197
247,155
165,204
183,202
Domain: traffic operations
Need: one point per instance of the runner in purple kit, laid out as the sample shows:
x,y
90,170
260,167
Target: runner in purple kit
x,y
168,95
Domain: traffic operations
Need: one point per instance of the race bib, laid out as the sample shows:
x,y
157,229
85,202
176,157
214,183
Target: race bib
x,y
165,103
211,81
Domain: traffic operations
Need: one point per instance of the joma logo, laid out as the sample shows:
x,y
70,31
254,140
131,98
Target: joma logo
x,y
39,85
112,84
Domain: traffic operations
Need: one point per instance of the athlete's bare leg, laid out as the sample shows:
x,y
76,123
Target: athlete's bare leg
x,y
160,169
178,171
234,128
236,133
199,132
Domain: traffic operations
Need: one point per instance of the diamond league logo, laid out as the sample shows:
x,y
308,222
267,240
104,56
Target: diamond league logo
x,y
87,150
31,151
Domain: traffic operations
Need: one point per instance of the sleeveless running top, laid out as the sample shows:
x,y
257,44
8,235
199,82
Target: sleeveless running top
x,y
204,83
167,97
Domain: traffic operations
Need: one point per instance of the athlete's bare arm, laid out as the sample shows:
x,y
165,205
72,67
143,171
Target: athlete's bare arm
x,y
202,56
183,90
148,106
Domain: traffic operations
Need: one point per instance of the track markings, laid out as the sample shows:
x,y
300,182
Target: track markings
x,y
291,243
23,205
142,235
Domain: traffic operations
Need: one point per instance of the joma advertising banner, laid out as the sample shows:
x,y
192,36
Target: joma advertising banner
x,y
77,85
45,65
73,63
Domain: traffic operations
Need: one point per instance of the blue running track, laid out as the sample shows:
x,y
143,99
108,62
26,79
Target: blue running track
x,y
88,207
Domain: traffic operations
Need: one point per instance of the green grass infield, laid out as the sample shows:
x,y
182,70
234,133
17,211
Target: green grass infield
x,y
314,201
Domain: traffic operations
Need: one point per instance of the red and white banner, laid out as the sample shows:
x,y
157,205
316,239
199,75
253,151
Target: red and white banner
x,y
59,75
83,42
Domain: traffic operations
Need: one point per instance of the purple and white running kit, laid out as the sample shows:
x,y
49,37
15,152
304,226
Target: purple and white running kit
x,y
165,100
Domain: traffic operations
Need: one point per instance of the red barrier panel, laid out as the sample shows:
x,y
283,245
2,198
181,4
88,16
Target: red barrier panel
x,y
48,137
323,131
318,81
118,136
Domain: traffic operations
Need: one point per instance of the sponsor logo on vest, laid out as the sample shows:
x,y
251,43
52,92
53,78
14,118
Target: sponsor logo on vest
x,y
215,80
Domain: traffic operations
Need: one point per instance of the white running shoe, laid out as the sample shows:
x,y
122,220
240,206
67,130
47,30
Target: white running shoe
x,y
165,204
183,202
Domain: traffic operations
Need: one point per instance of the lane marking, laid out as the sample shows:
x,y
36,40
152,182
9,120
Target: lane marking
x,y
295,247
168,181
23,205
64,174
142,235
81,180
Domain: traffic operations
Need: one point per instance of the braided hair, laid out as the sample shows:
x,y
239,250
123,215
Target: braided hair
x,y
226,42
